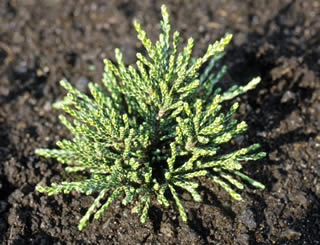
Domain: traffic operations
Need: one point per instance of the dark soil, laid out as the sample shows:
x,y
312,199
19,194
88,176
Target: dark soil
x,y
42,42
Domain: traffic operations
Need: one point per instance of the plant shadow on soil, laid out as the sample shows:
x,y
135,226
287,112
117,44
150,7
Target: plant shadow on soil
x,y
268,111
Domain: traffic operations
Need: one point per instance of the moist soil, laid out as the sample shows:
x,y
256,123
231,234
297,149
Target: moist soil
x,y
42,42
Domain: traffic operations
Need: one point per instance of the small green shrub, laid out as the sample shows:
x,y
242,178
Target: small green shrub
x,y
155,130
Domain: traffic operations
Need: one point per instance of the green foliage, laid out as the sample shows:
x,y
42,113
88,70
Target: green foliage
x,y
154,131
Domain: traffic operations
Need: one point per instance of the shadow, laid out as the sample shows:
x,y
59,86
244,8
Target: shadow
x,y
279,60
6,188
40,237
194,221
269,110
294,232
259,218
196,224
129,8
290,37
209,198
287,64
155,214
294,136
5,141
309,225
269,55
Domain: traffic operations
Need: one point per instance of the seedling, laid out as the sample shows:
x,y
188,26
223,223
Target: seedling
x,y
155,128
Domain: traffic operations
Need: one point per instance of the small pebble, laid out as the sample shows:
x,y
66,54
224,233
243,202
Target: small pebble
x,y
290,234
288,95
247,218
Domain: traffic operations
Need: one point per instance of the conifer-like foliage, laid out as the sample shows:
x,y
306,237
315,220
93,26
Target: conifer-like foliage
x,y
154,129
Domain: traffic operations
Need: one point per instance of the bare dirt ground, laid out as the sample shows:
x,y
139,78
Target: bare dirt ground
x,y
42,42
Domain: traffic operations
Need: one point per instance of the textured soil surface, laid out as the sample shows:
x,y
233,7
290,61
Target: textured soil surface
x,y
42,42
